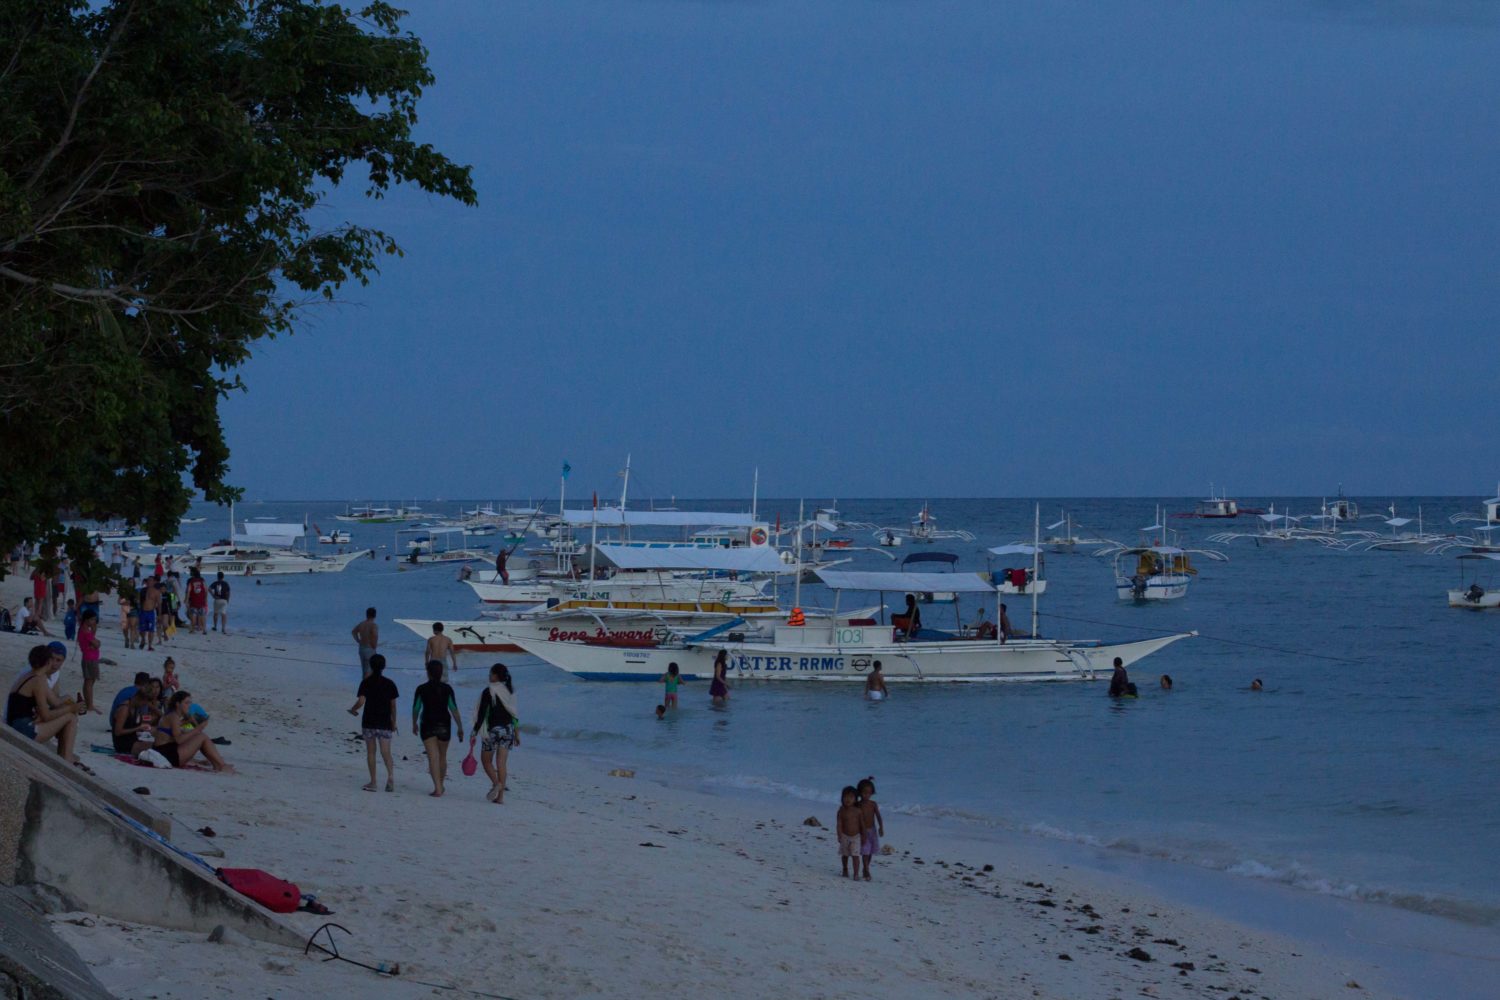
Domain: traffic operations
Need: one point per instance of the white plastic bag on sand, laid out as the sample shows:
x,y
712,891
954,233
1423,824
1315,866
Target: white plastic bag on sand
x,y
153,758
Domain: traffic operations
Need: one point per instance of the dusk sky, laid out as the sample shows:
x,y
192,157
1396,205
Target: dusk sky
x,y
921,249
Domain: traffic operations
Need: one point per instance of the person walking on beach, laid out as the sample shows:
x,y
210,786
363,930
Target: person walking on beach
x,y
440,648
872,824
496,718
671,679
146,618
366,637
377,696
219,591
849,825
718,689
197,601
434,713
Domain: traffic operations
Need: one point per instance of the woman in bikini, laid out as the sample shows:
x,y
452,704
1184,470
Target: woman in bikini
x,y
178,739
37,712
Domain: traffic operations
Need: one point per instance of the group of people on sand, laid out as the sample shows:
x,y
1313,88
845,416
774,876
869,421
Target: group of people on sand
x,y
149,608
151,715
718,688
859,826
434,717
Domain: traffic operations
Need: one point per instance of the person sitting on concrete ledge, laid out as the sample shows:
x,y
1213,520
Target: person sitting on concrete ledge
x,y
37,712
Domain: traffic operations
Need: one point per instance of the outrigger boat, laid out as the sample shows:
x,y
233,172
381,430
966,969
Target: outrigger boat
x,y
425,546
1279,529
266,548
1019,578
616,621
1470,592
1069,541
923,529
1219,506
1153,570
848,651
1398,540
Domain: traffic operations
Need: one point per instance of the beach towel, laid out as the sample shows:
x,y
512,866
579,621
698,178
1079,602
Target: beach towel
x,y
507,700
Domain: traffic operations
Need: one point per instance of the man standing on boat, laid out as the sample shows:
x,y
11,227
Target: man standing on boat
x,y
367,635
501,573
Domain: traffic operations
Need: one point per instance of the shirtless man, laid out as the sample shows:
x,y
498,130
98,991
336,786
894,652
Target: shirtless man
x,y
367,636
440,648
150,604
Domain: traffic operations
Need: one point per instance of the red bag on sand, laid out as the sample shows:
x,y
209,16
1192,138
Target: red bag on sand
x,y
470,765
276,895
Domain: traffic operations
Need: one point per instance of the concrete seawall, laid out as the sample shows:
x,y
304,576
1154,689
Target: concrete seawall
x,y
57,838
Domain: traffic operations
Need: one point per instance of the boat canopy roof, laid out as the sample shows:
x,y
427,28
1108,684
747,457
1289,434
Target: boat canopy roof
x,y
614,517
1161,550
269,533
432,530
1016,549
934,557
1271,518
1398,522
921,583
759,559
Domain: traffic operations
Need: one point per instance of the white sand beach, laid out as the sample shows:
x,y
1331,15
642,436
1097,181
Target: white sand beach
x,y
587,884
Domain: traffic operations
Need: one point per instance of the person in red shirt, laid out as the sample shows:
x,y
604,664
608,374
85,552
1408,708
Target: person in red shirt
x,y
161,570
88,646
39,593
197,601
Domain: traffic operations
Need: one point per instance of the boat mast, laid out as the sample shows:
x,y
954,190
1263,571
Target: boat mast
x,y
1036,548
754,493
797,586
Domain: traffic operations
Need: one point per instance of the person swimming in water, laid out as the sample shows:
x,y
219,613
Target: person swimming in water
x,y
1256,685
1166,682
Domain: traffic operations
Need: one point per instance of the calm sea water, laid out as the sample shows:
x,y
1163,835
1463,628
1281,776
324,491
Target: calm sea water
x,y
1365,768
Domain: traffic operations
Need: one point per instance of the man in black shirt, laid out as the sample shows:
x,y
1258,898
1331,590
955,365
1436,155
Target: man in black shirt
x,y
219,591
377,696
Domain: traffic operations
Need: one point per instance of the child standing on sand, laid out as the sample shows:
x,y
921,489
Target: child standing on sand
x,y
848,828
872,825
672,678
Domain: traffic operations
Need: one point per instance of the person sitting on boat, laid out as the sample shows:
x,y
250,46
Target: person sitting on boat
x,y
983,629
909,622
1475,594
1006,629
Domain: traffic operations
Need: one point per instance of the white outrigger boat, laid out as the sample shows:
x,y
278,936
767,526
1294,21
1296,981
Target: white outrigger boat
x,y
425,546
265,548
1154,570
1489,519
1069,541
1471,593
1019,579
848,651
1280,529
923,529
1399,540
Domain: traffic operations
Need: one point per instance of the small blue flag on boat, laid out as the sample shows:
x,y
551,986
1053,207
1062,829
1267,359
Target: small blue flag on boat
x,y
566,468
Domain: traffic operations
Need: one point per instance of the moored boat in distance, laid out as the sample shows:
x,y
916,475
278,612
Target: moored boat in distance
x,y
1472,591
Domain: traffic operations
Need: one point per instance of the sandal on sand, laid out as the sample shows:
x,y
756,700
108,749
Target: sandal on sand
x,y
390,785
369,788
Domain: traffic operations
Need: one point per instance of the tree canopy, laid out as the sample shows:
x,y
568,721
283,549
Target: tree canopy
x,y
160,161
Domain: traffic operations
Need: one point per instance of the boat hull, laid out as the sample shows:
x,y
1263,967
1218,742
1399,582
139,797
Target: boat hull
x,y
1460,599
918,662
278,565
1157,588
